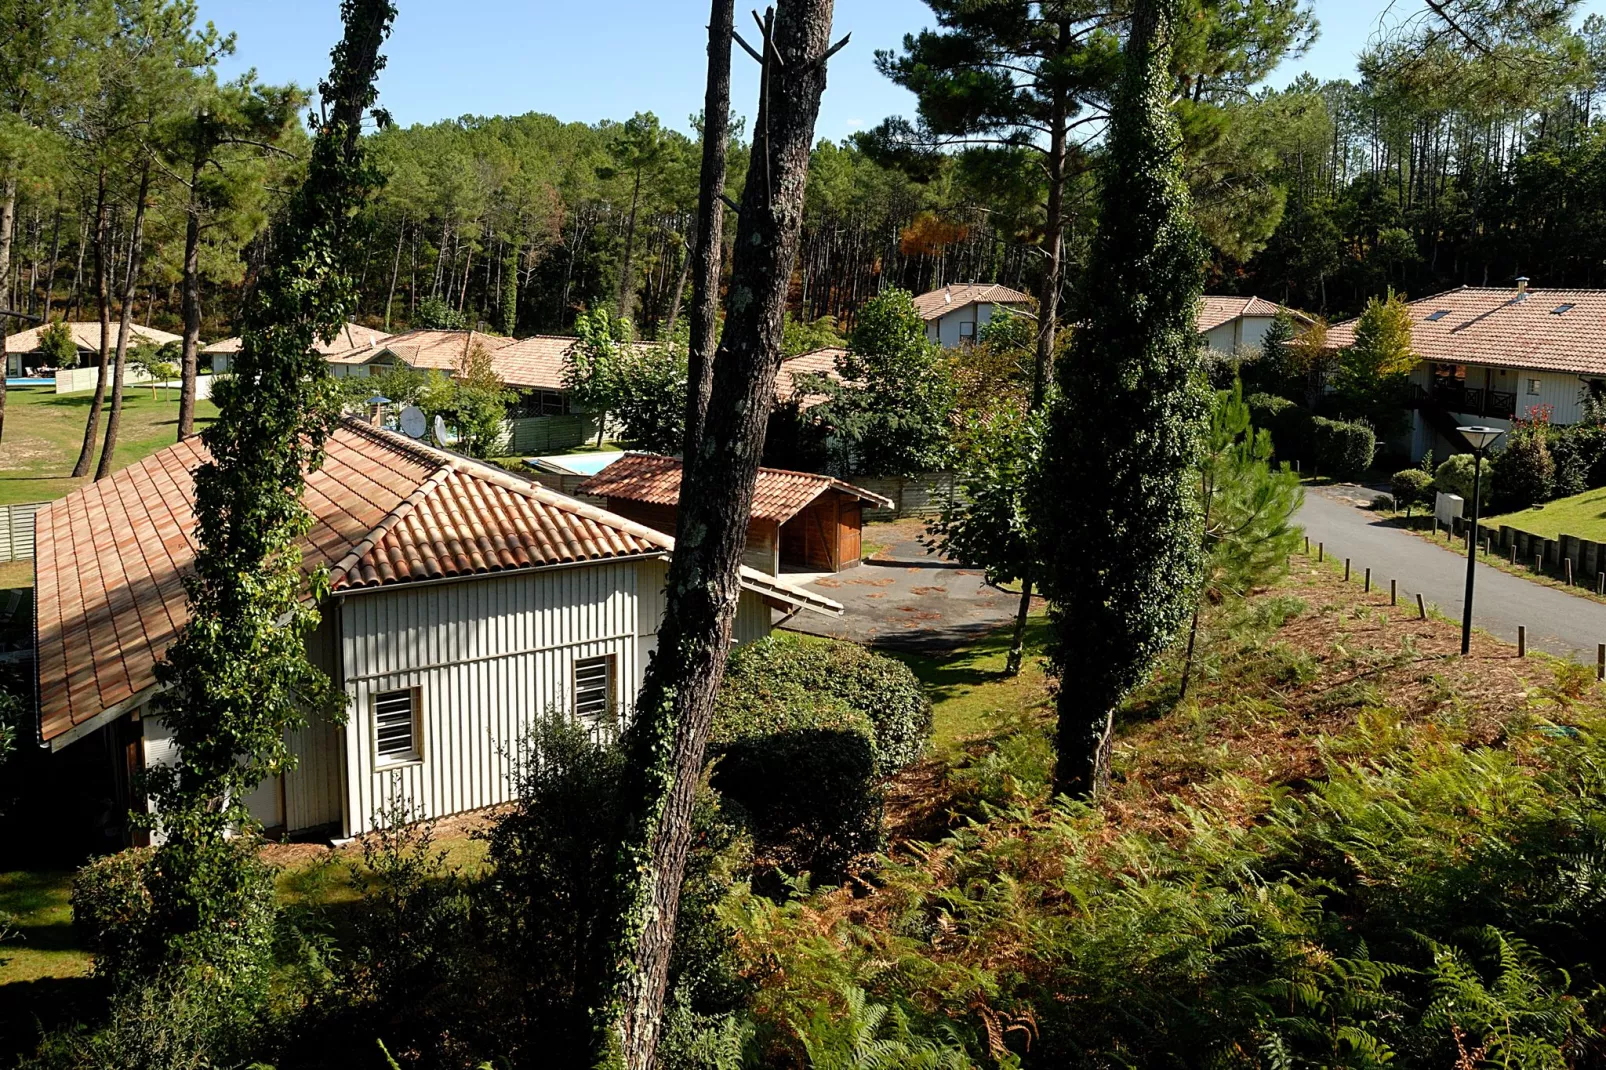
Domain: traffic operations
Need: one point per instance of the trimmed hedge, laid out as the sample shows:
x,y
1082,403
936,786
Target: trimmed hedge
x,y
111,909
1411,486
883,690
1342,448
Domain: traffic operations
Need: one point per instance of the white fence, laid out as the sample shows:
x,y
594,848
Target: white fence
x,y
16,530
72,380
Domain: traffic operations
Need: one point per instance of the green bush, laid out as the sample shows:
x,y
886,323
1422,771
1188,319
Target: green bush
x,y
1455,476
1524,471
1341,448
1411,486
1288,422
111,909
882,689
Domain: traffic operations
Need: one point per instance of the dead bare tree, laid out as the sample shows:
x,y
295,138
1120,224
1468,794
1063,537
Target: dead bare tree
x,y
668,737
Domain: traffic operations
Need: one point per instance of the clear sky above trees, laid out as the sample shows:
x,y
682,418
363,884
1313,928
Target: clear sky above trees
x,y
507,57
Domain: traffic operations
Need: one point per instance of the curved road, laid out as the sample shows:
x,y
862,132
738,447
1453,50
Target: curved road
x,y
1557,623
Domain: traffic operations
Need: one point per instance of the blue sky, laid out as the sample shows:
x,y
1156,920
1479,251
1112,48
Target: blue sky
x,y
605,59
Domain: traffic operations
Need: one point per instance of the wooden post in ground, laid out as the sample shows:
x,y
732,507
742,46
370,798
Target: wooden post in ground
x,y
1600,662
1346,570
1539,561
1600,583
1368,587
1513,553
1394,592
1569,570
1321,551
1421,607
1522,640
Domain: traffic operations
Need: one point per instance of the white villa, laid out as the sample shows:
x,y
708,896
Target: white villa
x,y
465,602
954,314
1489,355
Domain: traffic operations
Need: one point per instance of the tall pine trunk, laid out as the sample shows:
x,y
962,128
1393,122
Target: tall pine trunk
x,y
190,359
626,298
86,452
707,253
8,218
125,328
667,740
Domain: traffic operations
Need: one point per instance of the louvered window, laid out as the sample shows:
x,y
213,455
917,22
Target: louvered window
x,y
593,689
396,726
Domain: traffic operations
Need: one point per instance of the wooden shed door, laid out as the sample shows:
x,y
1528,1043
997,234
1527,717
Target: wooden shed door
x,y
849,526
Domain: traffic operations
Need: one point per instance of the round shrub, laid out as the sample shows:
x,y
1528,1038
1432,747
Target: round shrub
x,y
1411,486
1455,476
111,909
776,669
1524,471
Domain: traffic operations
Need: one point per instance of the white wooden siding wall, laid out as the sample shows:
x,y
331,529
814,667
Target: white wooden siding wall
x,y
487,656
752,613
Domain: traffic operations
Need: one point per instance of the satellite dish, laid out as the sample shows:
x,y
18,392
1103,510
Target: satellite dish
x,y
440,430
413,423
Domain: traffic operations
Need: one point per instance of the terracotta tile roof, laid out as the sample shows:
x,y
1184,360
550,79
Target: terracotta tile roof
x,y
940,302
815,362
351,336
1214,311
779,496
387,510
86,335
1547,330
536,362
533,363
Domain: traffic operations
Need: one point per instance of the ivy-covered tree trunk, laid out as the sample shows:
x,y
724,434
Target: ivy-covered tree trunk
x,y
86,452
238,679
706,255
667,739
125,325
1115,498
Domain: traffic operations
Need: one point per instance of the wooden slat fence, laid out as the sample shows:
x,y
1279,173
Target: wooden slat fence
x,y
16,530
924,494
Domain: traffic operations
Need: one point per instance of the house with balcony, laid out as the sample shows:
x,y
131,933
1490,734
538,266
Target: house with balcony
x,y
1490,355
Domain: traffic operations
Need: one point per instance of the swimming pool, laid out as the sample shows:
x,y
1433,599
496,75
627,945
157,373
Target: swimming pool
x,y
30,382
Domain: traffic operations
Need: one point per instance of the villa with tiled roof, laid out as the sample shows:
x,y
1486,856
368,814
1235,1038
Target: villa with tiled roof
x,y
955,313
1491,354
464,602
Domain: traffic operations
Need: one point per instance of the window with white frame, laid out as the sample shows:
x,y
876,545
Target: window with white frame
x,y
594,689
967,328
1533,386
396,726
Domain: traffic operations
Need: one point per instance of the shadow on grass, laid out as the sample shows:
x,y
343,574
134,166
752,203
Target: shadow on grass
x,y
948,674
29,1009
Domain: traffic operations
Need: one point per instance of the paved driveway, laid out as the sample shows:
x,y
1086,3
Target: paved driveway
x,y
907,598
1557,622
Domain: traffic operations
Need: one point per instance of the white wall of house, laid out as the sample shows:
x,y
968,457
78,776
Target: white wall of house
x,y
1247,331
960,325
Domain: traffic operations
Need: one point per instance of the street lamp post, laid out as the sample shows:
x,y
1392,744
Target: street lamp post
x,y
1480,439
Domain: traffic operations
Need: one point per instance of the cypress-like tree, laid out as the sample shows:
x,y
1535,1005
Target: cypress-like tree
x,y
238,678
1115,496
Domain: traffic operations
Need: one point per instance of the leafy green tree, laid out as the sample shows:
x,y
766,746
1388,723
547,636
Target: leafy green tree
x,y
890,412
57,346
1525,470
799,337
1246,511
1373,374
1276,370
476,404
437,314
237,679
591,371
649,400
987,523
1114,498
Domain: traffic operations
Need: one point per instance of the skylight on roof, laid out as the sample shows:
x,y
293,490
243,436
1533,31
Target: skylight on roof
x,y
1559,309
1438,315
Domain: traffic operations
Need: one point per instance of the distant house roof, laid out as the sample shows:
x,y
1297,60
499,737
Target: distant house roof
x,y
86,336
533,363
111,557
779,496
940,302
815,362
1547,330
351,336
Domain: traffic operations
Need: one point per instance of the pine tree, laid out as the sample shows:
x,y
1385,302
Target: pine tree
x,y
1246,509
1115,495
238,679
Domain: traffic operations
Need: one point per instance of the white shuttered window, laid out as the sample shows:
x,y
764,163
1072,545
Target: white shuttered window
x,y
593,689
396,726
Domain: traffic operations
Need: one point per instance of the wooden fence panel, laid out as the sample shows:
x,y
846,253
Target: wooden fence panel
x,y
924,494
549,434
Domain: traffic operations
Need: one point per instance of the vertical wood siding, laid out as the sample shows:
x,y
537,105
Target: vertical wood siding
x,y
487,656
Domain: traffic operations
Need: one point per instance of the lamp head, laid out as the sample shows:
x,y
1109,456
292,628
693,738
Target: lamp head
x,y
1480,438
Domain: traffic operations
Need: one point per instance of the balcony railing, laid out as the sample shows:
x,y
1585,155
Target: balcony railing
x,y
1471,400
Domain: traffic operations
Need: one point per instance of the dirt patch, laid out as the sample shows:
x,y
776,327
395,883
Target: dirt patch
x,y
827,581
928,590
456,827
865,583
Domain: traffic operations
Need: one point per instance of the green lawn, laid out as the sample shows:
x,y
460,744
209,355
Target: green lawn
x,y
1582,515
968,686
44,430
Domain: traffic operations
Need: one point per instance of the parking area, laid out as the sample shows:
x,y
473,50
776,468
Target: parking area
x,y
905,597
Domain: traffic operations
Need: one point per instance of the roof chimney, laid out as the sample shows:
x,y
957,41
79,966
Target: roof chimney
x,y
1522,284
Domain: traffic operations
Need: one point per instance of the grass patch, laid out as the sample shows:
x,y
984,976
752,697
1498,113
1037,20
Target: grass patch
x,y
969,690
40,942
44,431
1583,515
16,575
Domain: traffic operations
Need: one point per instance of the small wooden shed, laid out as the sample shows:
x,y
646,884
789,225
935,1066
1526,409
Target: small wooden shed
x,y
800,520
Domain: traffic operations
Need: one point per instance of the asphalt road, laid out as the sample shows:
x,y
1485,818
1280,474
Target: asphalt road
x,y
1557,623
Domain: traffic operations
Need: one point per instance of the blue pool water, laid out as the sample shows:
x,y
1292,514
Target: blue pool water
x,y
30,382
583,464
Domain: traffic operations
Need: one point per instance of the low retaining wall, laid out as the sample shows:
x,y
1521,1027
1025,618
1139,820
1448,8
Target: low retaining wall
x,y
1550,556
